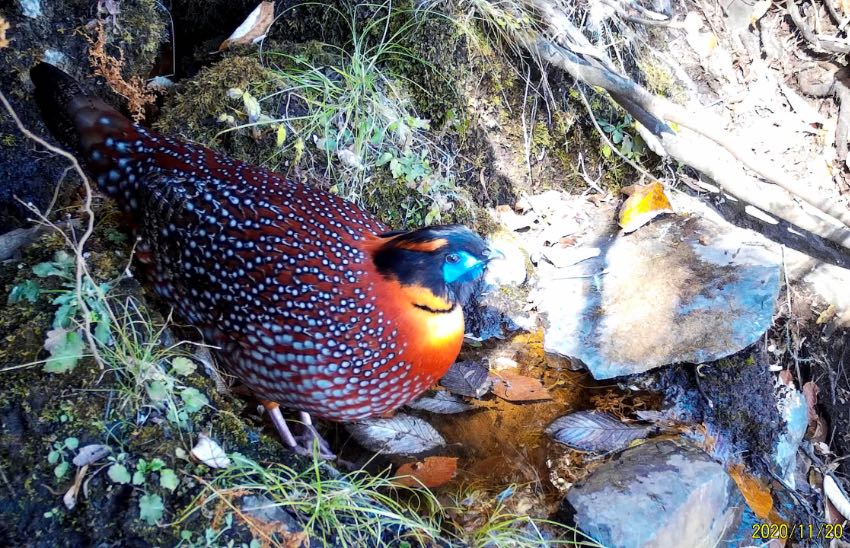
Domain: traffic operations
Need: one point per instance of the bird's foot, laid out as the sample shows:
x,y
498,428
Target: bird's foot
x,y
310,440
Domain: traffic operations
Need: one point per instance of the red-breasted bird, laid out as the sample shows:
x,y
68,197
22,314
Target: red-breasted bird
x,y
313,303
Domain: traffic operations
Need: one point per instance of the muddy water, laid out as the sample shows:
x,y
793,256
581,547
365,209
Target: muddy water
x,y
503,443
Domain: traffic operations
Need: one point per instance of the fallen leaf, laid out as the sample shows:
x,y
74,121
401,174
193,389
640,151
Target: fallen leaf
x,y
253,28
844,6
430,472
511,386
755,492
827,315
467,379
209,452
90,454
810,392
643,204
398,435
595,431
442,402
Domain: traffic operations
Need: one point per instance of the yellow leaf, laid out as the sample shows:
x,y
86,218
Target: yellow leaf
x,y
644,204
755,492
281,135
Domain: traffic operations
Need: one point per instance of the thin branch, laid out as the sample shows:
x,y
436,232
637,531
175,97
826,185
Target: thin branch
x,y
79,246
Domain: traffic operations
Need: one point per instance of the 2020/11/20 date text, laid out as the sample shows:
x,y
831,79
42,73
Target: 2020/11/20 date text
x,y
802,531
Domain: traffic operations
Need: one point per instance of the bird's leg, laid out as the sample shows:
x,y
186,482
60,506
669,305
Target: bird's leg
x,y
311,434
280,423
291,442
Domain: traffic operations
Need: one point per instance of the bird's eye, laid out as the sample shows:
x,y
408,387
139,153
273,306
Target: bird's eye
x,y
452,258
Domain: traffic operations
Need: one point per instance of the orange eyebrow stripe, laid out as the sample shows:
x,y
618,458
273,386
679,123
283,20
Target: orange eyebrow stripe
x,y
426,247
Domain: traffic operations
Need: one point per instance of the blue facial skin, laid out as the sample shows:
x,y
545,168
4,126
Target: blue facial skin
x,y
462,266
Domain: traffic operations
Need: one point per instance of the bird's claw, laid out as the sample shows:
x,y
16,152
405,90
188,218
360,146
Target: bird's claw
x,y
309,439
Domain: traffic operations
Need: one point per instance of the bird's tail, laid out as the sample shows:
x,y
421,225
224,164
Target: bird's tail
x,y
83,123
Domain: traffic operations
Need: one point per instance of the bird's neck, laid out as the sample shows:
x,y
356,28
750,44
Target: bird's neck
x,y
432,326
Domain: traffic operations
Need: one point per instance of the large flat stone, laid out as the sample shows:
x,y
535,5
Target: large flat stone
x,y
656,495
681,289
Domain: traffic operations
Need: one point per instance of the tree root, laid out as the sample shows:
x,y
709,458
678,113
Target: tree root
x,y
556,42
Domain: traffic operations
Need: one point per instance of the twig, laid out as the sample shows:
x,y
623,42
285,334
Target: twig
x,y
81,267
604,137
790,318
842,127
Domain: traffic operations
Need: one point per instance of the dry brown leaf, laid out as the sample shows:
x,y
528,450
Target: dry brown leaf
x,y
828,314
755,492
4,26
511,386
253,28
810,392
430,472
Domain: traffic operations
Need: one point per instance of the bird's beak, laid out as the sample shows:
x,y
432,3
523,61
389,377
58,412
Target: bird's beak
x,y
493,254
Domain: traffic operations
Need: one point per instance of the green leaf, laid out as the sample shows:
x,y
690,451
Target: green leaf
x,y
63,261
151,508
168,479
186,535
384,158
53,457
616,137
118,473
156,465
61,469
72,443
43,270
102,330
157,391
62,316
183,366
606,151
396,168
139,477
27,290
193,399
66,348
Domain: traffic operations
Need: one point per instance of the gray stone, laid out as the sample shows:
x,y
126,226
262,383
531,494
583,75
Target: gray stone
x,y
509,271
263,508
681,289
656,495
30,8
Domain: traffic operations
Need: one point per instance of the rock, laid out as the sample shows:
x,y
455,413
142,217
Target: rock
x,y
265,509
30,8
657,494
509,271
681,289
